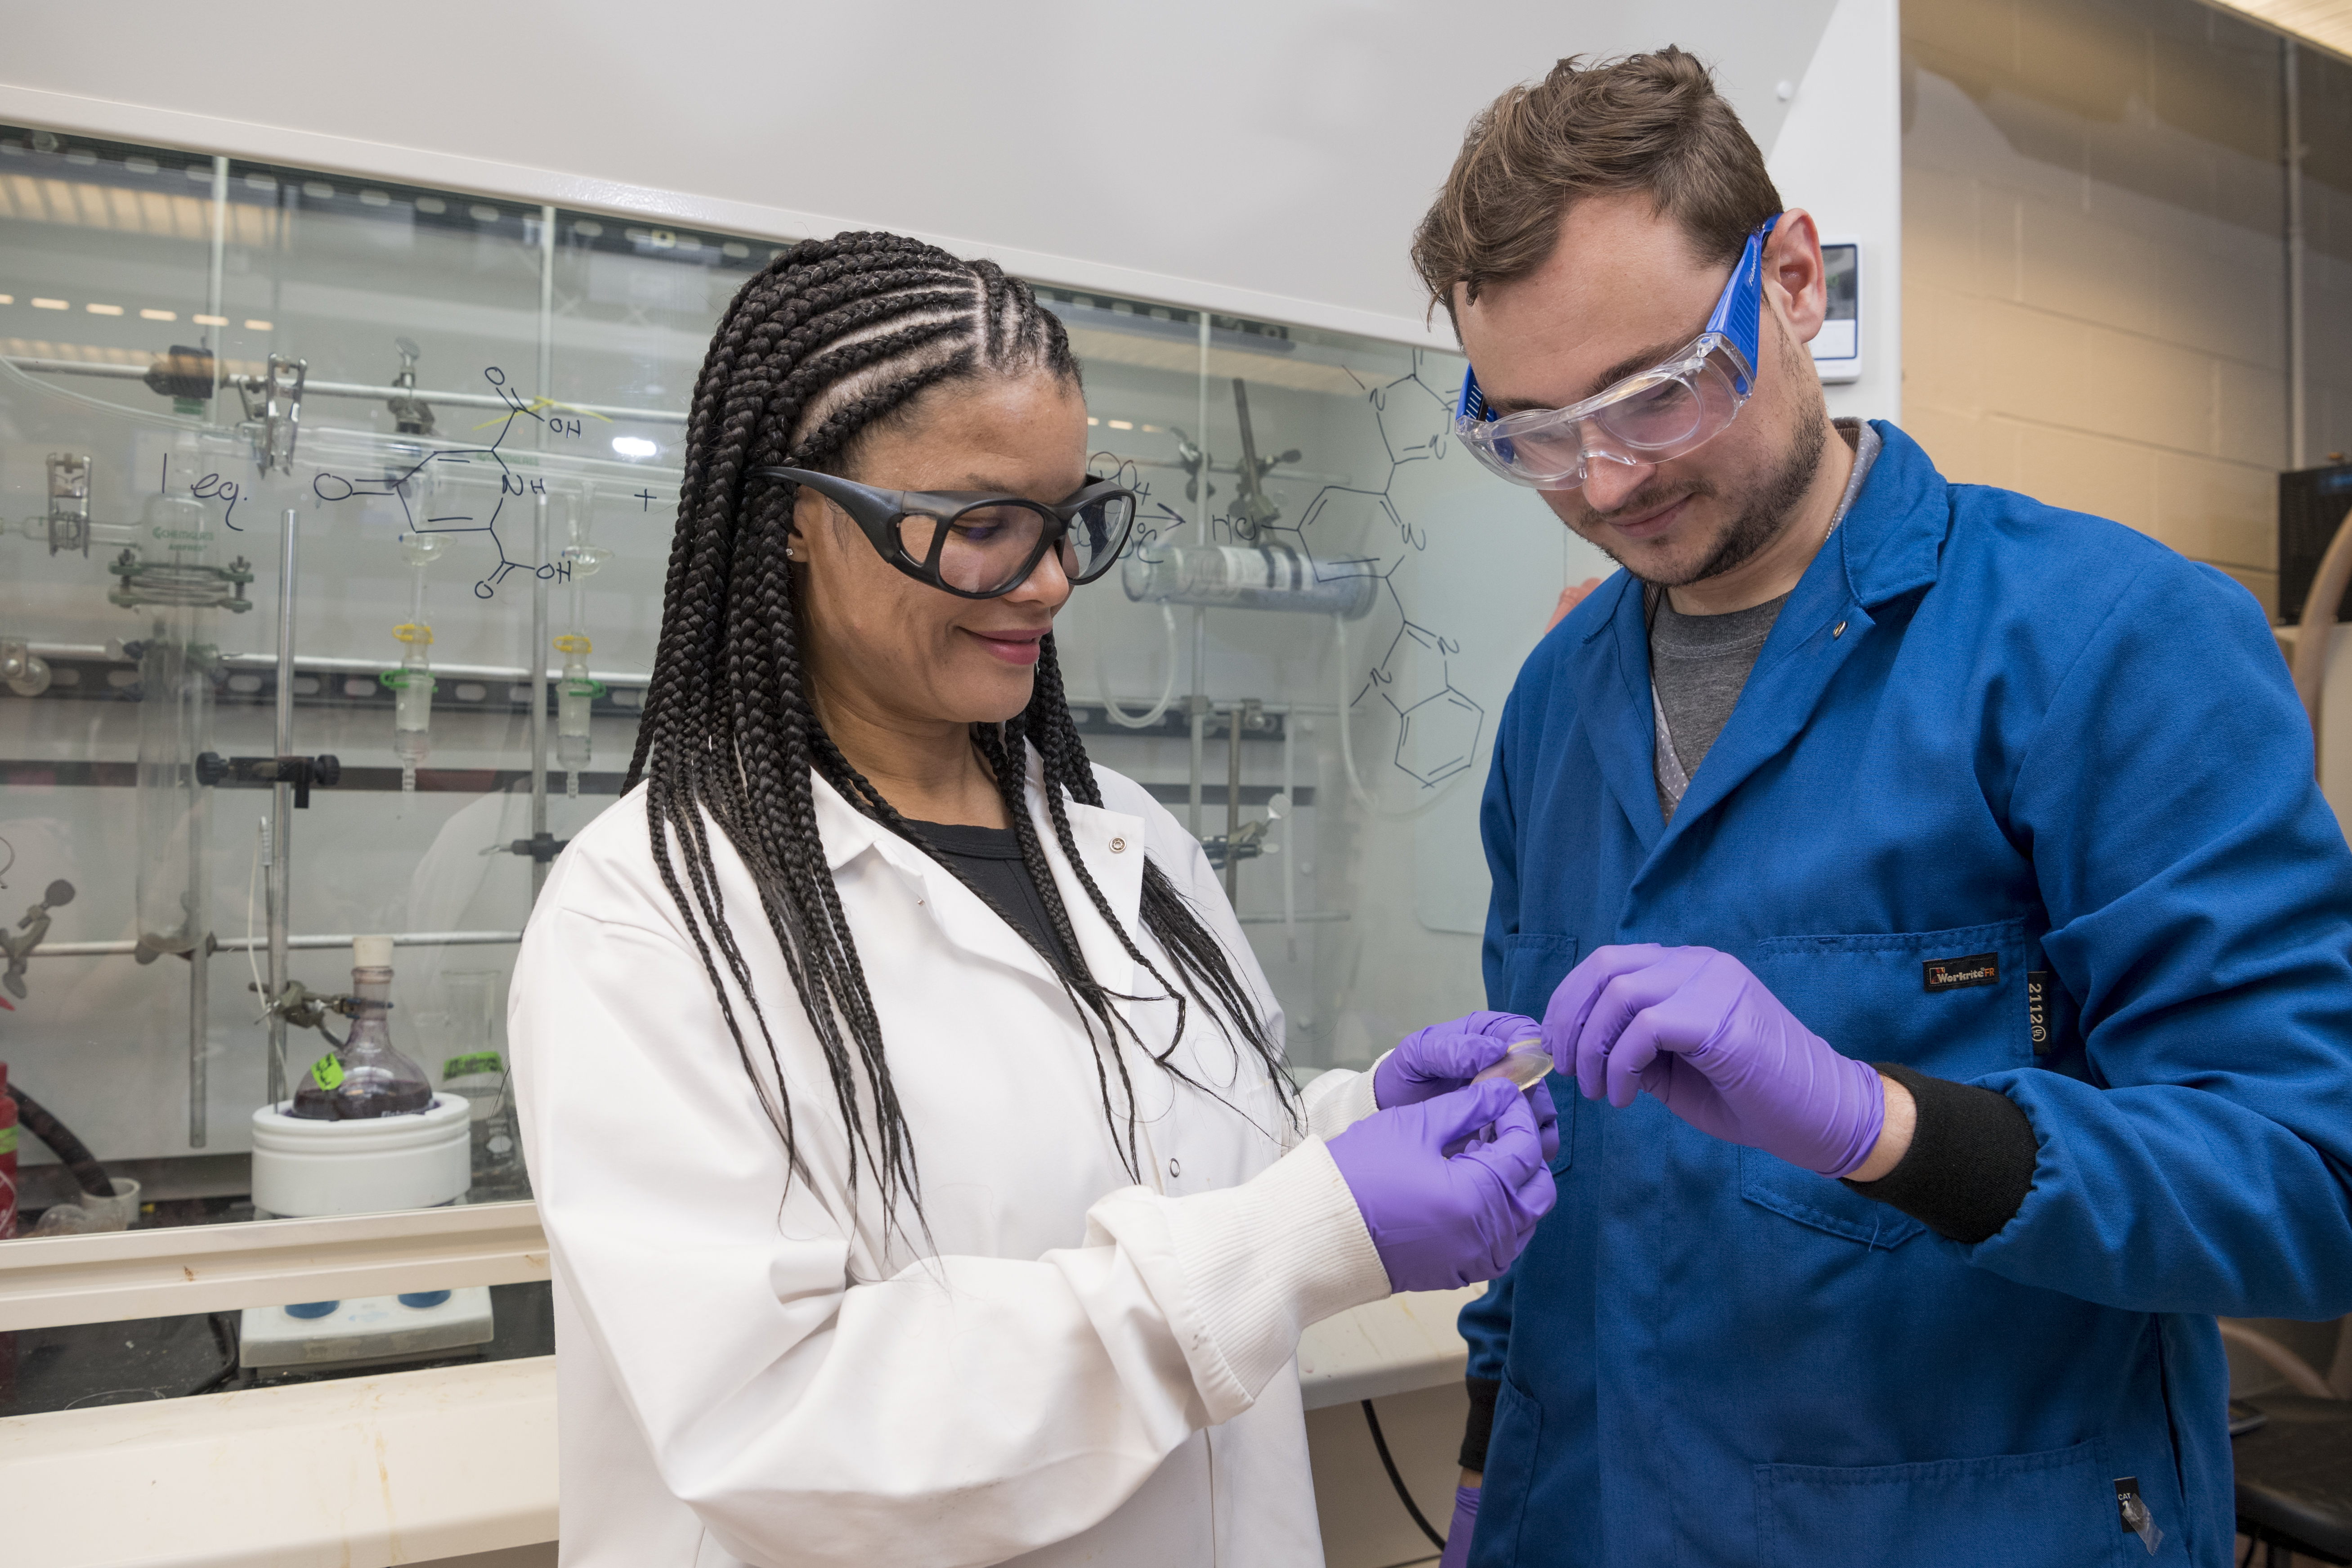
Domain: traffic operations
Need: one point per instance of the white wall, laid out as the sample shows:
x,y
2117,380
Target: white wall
x,y
1265,160
1838,155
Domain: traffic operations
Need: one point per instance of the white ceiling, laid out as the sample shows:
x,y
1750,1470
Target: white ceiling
x,y
1279,151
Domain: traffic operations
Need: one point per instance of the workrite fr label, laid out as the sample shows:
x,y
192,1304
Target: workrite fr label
x,y
1951,973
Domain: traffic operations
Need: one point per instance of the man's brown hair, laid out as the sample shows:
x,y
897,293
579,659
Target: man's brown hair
x,y
1647,123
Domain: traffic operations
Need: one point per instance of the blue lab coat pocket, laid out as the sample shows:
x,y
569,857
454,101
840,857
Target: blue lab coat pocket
x,y
1770,1182
1534,964
1512,1452
1950,1002
2051,1509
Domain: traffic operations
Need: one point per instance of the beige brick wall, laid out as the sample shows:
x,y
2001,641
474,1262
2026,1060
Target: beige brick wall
x,y
2093,289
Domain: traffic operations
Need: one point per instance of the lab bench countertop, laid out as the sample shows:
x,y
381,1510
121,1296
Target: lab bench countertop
x,y
406,1466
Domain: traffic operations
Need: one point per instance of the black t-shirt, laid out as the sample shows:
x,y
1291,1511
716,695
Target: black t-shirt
x,y
989,859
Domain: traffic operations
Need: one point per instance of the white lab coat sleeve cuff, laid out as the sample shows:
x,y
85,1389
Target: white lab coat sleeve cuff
x,y
1252,1266
1336,1101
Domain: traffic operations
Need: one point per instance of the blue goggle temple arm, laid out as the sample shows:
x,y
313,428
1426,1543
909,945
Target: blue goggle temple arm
x,y
1473,405
1739,314
1737,319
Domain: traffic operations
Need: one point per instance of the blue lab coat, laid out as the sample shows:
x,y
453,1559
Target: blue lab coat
x,y
1980,725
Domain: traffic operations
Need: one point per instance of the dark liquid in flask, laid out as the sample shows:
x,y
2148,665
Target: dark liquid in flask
x,y
366,1078
350,1101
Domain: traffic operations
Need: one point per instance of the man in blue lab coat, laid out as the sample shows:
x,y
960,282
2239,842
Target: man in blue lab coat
x,y
1924,887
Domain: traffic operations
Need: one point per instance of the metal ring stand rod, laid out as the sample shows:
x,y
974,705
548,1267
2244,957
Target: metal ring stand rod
x,y
124,947
281,811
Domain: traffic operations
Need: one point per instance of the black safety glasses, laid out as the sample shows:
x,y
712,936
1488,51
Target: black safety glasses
x,y
980,546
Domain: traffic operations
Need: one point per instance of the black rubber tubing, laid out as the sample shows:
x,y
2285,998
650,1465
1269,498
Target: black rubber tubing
x,y
36,1119
1381,1442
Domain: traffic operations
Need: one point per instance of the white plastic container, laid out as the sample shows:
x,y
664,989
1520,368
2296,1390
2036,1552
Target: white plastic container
x,y
118,1212
303,1167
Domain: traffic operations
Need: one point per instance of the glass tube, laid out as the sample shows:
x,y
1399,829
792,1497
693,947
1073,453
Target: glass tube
x,y
177,663
1243,577
413,683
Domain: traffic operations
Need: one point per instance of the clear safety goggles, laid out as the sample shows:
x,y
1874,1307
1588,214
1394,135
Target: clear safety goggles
x,y
980,546
1658,414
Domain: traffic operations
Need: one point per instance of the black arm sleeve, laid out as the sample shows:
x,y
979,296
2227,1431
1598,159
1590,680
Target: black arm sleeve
x,y
1481,1424
1970,1163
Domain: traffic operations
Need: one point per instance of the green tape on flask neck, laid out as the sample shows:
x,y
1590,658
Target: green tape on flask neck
x,y
327,1072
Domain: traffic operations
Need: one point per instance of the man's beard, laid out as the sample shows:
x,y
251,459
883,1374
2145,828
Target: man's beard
x,y
1762,516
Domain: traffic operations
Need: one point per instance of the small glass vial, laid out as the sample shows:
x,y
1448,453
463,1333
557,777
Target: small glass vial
x,y
366,1077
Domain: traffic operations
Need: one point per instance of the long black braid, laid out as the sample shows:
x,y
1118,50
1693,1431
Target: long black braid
x,y
831,338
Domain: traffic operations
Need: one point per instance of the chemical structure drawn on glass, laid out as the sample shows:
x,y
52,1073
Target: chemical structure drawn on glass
x,y
421,481
1365,531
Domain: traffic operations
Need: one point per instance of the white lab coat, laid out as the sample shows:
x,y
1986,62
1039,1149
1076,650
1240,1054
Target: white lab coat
x,y
1070,1367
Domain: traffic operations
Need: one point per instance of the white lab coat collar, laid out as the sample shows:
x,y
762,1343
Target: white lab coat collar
x,y
848,833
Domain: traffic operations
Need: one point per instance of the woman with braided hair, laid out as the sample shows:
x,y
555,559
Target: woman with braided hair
x,y
905,1109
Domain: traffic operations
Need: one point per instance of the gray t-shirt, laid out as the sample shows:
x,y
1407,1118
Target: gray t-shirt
x,y
1699,664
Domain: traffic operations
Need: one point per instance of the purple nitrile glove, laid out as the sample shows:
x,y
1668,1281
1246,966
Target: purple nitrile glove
x,y
1444,1057
1438,1223
1696,1030
1458,1532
